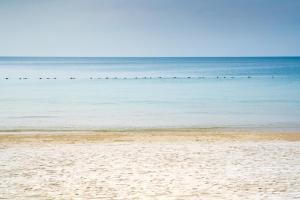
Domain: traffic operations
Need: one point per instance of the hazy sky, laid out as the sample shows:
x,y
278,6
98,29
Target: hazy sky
x,y
149,27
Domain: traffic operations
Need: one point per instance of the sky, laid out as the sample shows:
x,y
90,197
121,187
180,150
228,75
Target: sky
x,y
149,28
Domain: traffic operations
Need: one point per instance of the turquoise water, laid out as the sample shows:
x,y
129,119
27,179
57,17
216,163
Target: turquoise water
x,y
177,92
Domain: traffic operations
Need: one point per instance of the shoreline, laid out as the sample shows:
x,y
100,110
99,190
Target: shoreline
x,y
144,135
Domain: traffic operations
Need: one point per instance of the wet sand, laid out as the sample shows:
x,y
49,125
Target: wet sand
x,y
150,164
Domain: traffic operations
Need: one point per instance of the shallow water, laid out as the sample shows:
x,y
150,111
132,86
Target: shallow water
x,y
221,92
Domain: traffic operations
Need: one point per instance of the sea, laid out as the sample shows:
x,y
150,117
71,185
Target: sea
x,y
92,93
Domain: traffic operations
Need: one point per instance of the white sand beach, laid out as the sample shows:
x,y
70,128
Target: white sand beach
x,y
165,164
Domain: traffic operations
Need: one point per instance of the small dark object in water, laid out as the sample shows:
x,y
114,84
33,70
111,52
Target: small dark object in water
x,y
217,76
160,77
106,78
6,78
91,77
249,76
174,77
40,78
54,78
48,78
188,77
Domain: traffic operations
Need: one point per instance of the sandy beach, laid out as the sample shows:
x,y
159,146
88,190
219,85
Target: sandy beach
x,y
149,100
150,164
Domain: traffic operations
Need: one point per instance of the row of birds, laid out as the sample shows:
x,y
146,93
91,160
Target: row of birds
x,y
175,77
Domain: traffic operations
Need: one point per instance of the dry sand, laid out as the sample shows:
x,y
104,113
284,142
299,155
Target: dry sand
x,y
150,164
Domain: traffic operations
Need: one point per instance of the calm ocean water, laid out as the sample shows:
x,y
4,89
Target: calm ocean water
x,y
221,92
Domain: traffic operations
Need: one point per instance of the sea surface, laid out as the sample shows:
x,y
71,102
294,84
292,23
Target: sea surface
x,y
108,93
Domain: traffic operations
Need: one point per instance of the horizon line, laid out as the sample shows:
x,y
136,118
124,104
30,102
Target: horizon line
x,y
275,56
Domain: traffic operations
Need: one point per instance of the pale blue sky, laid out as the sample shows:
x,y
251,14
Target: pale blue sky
x,y
149,27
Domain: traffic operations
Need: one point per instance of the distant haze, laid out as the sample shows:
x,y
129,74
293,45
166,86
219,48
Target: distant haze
x,y
149,27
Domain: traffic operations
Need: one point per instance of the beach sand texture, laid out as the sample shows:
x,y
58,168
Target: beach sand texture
x,y
150,164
